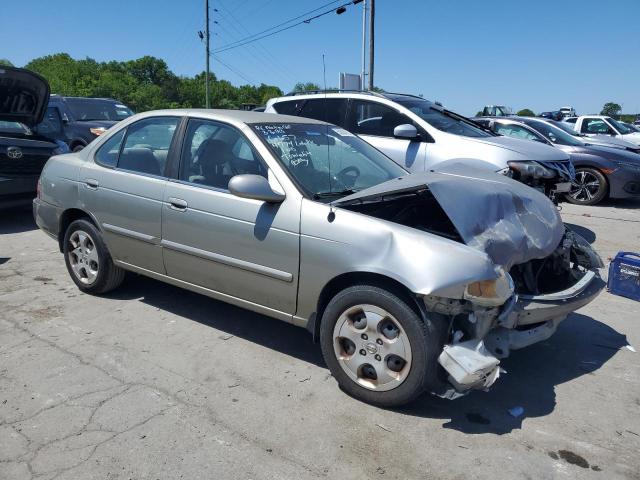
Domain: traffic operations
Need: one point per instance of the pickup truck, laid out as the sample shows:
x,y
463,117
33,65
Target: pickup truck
x,y
602,125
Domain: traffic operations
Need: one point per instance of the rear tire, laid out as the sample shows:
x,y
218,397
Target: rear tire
x,y
88,260
378,348
589,188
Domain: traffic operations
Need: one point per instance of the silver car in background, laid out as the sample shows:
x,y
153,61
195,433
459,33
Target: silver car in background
x,y
601,172
420,135
411,283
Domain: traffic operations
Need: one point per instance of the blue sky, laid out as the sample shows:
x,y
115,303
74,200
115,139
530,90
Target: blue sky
x,y
540,54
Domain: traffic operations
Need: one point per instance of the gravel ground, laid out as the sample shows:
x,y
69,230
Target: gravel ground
x,y
154,382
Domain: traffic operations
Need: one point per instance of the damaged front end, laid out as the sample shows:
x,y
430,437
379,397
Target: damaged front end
x,y
546,291
543,270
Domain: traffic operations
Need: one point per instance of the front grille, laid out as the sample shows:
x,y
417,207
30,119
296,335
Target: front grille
x,y
564,168
27,165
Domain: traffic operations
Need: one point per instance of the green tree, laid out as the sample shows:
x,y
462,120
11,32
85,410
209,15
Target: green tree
x,y
4,61
305,87
525,112
144,84
611,109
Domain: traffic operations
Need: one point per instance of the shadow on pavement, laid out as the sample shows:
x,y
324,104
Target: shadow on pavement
x,y
16,220
579,347
586,233
256,328
623,203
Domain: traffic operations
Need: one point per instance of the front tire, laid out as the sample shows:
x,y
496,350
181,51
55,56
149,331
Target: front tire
x,y
378,348
589,188
88,261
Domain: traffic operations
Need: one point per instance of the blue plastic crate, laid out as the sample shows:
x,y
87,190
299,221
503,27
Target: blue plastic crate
x,y
624,275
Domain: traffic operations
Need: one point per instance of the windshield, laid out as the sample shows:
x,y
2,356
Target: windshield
x,y
86,109
567,127
327,162
443,120
553,133
12,127
622,129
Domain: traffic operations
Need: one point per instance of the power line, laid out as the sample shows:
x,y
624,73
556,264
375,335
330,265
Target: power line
x,y
264,34
232,69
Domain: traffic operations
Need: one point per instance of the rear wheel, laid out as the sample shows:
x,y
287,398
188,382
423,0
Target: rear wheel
x,y
88,260
377,347
589,188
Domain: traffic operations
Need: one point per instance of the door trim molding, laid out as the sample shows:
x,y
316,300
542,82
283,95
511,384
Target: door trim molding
x,y
143,237
230,261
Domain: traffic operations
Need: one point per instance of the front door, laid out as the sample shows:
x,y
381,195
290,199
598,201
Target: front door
x,y
240,248
123,188
375,122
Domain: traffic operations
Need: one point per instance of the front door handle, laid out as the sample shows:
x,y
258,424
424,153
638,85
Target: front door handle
x,y
91,183
178,204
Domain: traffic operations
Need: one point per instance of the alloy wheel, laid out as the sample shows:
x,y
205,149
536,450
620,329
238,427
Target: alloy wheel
x,y
372,347
83,257
585,186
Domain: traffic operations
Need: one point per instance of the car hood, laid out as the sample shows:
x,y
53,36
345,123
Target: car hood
x,y
509,221
523,149
24,96
610,153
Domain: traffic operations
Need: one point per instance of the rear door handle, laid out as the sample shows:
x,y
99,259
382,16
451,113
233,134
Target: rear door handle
x,y
91,183
178,204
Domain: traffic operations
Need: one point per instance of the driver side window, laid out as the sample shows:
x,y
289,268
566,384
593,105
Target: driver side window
x,y
595,125
212,153
370,118
516,131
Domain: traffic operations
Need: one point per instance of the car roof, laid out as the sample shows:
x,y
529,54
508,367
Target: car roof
x,y
55,96
395,97
242,116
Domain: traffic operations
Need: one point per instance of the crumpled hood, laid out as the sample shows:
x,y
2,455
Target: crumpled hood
x,y
509,221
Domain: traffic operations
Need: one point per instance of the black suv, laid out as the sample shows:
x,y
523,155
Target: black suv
x,y
84,119
27,137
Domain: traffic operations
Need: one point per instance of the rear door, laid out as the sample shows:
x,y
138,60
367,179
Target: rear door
x,y
243,249
375,122
123,187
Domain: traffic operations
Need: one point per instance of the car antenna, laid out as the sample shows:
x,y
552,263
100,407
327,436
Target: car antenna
x,y
324,77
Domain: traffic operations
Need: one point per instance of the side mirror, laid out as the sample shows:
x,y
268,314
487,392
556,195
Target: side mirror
x,y
255,187
406,131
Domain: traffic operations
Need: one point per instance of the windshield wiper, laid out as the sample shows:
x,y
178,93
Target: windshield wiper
x,y
336,193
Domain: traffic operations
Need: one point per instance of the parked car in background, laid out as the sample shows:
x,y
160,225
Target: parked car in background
x,y
567,112
421,135
600,172
27,140
496,111
631,126
410,282
84,119
603,125
603,140
555,115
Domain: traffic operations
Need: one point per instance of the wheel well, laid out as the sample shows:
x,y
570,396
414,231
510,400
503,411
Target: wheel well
x,y
347,280
67,217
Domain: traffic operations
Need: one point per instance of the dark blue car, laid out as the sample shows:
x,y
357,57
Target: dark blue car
x,y
84,119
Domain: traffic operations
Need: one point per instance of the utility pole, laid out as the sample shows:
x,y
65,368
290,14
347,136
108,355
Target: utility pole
x,y
363,75
206,35
372,22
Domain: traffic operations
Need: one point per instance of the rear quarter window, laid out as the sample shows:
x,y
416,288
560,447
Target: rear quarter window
x,y
290,107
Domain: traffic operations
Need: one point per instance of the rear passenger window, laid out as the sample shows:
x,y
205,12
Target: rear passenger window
x,y
107,154
289,107
332,110
147,144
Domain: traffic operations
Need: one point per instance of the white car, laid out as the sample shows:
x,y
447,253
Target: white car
x,y
568,112
603,125
421,135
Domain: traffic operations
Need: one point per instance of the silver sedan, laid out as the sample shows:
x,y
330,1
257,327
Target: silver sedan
x,y
411,283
